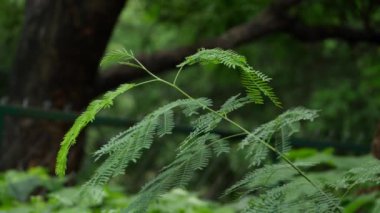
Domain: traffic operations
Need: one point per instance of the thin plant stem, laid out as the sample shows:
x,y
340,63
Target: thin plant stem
x,y
177,75
146,82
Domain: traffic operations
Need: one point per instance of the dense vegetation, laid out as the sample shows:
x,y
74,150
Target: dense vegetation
x,y
34,191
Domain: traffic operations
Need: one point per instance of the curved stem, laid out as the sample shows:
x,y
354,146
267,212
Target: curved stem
x,y
146,82
146,70
176,76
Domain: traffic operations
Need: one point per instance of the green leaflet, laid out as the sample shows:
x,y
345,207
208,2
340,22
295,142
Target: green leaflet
x,y
166,123
257,151
117,56
86,117
255,82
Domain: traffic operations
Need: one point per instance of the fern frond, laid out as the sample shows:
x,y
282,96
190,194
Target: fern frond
x,y
234,103
86,117
368,173
282,143
255,82
220,146
265,132
116,56
128,145
267,176
271,201
209,121
256,154
293,197
176,174
319,202
166,123
127,150
206,122
256,86
115,142
215,56
192,108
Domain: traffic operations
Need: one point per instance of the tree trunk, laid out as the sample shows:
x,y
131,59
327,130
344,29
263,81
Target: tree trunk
x,y
57,61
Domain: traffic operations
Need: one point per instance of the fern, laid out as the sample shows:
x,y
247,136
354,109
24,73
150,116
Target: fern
x,y
271,182
166,123
128,146
368,173
220,146
216,56
280,191
177,174
282,141
255,142
193,155
192,108
116,56
255,82
282,199
270,174
89,115
234,103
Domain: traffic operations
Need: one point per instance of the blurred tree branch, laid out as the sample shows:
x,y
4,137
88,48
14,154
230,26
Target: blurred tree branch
x,y
274,19
317,33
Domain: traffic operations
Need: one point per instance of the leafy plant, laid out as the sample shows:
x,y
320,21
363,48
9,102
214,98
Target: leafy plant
x,y
34,191
275,184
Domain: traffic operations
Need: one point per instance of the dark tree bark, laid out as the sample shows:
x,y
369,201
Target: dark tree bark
x,y
57,60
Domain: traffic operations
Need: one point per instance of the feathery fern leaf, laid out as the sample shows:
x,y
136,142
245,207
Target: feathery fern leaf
x,y
219,146
128,145
166,123
254,85
256,154
115,142
206,122
265,132
234,103
282,143
216,56
195,151
89,115
369,173
265,177
192,108
176,174
128,150
209,121
116,56
255,82
293,197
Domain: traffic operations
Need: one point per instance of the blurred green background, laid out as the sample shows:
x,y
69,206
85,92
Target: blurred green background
x,y
326,57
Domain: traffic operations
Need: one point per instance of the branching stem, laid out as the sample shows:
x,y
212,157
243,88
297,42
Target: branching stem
x,y
245,131
176,76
